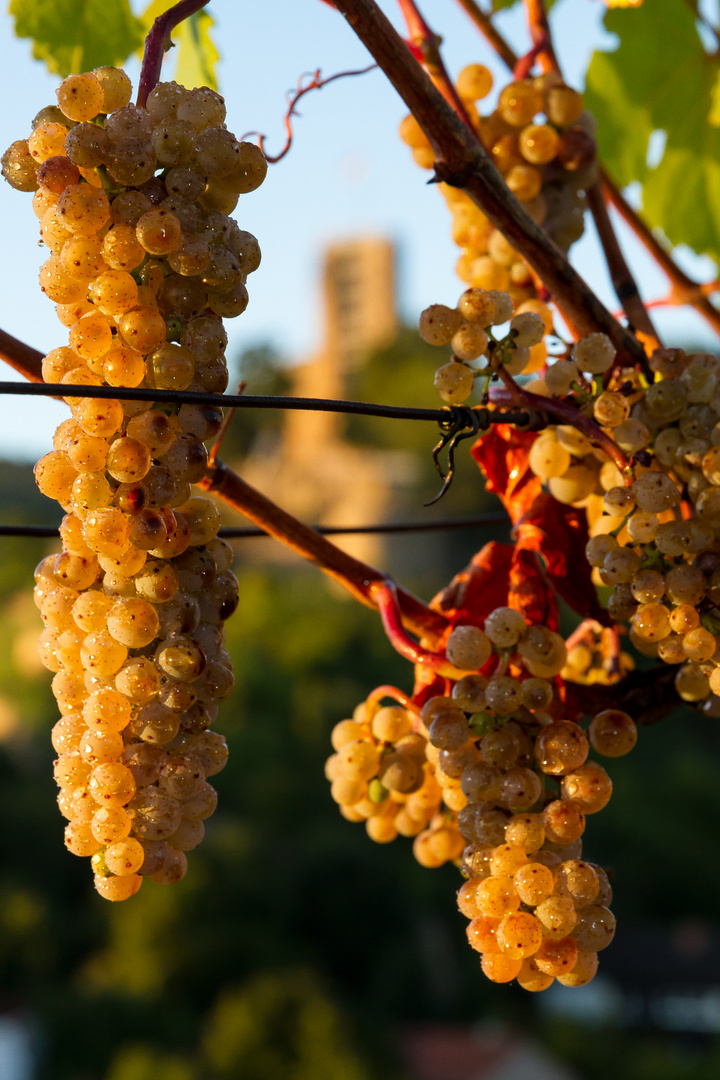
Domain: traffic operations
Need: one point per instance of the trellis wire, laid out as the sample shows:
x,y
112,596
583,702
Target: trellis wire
x,y
482,417
231,532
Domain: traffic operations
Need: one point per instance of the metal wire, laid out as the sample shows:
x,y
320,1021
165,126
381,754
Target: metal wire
x,y
484,417
232,532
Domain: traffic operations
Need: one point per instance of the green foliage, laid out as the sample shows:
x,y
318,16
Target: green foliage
x,y
261,368
197,55
280,1024
146,1063
645,87
78,35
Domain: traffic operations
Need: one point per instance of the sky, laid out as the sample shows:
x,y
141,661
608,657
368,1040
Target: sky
x,y
347,175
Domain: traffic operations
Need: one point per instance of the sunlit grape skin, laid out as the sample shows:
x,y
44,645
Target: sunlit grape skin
x,y
126,642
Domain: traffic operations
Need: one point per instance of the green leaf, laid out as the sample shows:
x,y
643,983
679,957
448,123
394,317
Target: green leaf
x,y
78,35
197,56
645,86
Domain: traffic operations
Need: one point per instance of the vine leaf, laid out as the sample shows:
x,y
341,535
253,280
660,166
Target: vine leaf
x,y
559,533
479,588
502,455
544,526
197,55
529,592
78,35
644,87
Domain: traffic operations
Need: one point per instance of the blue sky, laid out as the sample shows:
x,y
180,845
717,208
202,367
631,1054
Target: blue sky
x,y
347,174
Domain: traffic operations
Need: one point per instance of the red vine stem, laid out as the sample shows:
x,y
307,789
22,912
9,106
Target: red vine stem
x,y
227,421
622,278
585,629
357,577
541,37
316,83
463,162
425,44
688,291
491,35
566,413
158,41
381,692
385,595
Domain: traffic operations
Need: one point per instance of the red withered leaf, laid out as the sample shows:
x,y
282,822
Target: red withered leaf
x,y
529,591
502,454
559,532
479,588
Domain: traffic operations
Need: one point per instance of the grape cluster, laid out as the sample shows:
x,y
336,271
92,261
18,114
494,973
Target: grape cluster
x,y
477,352
575,471
487,776
656,543
144,264
541,139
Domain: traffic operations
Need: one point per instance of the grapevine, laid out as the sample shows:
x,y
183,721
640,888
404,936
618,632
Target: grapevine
x,y
602,443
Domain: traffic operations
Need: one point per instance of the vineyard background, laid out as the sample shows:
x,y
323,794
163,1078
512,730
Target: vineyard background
x,y
295,946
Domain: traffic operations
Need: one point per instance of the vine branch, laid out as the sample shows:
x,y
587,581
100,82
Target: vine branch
x,y
622,278
540,34
687,290
491,35
357,577
21,357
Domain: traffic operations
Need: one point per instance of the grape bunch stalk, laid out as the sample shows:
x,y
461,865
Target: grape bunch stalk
x,y
144,264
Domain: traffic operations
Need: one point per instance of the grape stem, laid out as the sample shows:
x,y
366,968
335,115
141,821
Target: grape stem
x,y
159,40
357,577
463,162
227,421
565,413
385,595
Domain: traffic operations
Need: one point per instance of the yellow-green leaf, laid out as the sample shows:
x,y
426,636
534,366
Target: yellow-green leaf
x,y
195,51
646,86
78,35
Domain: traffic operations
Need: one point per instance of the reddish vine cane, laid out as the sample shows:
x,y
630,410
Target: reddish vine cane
x,y
316,83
